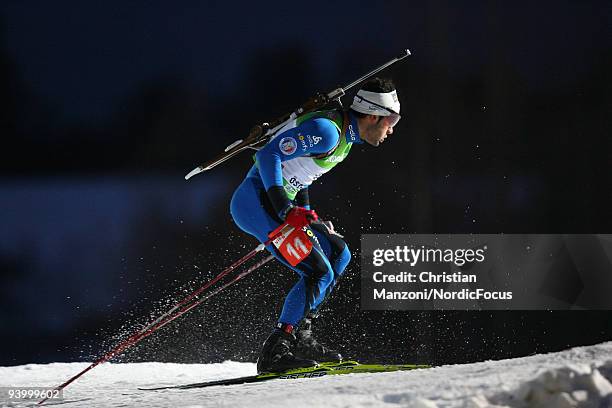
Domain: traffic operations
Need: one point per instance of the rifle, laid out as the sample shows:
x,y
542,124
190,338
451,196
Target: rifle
x,y
259,135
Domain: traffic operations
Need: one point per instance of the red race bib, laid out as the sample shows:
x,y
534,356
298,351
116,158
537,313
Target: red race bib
x,y
292,243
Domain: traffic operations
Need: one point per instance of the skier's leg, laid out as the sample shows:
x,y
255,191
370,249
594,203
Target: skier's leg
x,y
248,209
339,256
316,276
336,251
249,212
306,295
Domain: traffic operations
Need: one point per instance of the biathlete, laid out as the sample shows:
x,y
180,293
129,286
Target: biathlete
x,y
275,192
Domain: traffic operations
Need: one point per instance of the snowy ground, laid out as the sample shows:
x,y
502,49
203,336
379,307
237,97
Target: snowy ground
x,y
577,377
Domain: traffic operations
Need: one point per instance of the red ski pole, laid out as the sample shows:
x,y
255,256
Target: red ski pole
x,y
170,315
214,292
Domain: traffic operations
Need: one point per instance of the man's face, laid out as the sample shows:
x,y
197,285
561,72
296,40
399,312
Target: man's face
x,y
376,129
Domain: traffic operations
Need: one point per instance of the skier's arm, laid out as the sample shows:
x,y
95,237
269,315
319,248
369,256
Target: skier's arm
x,y
312,137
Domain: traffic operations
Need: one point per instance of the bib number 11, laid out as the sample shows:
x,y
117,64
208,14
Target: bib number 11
x,y
293,244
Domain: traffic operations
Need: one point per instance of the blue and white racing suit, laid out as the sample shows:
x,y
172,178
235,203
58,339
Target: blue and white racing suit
x,y
297,155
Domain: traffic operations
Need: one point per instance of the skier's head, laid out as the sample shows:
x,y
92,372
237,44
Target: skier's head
x,y
377,109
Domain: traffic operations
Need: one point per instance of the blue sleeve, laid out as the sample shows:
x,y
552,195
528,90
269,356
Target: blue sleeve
x,y
312,137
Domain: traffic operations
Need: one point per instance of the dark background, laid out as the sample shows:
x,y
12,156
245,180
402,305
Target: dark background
x,y
506,128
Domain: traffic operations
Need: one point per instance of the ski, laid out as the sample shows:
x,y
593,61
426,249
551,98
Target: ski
x,y
64,402
321,370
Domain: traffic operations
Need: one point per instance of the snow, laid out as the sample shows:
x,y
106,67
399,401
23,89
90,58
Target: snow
x,y
579,377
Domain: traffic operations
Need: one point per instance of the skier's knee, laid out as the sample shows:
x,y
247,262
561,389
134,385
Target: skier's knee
x,y
340,256
317,286
342,260
320,269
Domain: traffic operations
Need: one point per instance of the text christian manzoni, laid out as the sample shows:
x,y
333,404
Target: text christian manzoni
x,y
424,277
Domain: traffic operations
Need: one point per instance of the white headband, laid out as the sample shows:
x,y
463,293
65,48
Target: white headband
x,y
374,103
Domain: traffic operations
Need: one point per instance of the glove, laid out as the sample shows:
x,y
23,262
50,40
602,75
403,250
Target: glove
x,y
299,217
295,216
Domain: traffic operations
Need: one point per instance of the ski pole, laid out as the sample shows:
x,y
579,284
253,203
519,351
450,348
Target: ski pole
x,y
220,288
170,315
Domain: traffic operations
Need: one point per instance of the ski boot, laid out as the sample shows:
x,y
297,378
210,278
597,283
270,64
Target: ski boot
x,y
308,347
276,355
